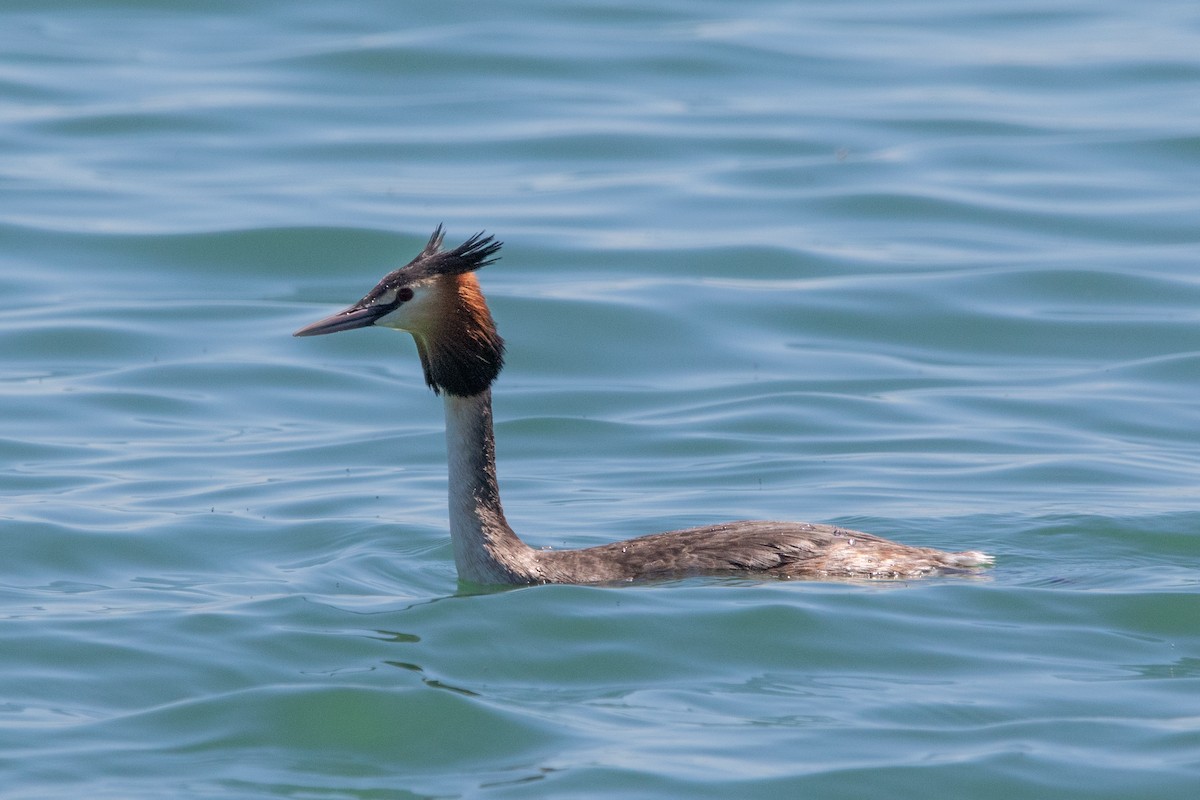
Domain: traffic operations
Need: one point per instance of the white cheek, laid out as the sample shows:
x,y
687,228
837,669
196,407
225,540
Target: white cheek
x,y
412,315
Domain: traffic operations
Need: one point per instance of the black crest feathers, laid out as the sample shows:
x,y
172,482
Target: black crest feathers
x,y
473,254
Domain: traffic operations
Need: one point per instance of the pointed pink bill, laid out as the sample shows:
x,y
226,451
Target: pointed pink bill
x,y
345,320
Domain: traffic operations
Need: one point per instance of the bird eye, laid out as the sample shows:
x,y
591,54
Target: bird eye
x,y
404,295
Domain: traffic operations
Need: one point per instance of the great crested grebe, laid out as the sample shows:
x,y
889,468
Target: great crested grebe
x,y
436,298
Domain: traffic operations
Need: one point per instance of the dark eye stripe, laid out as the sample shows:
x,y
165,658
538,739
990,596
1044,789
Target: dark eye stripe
x,y
388,297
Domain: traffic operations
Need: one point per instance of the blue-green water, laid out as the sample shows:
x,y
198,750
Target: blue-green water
x,y
930,270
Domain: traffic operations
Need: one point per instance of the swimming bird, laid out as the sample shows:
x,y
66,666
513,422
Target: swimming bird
x,y
436,298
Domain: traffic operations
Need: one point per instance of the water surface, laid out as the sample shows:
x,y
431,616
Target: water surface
x,y
923,269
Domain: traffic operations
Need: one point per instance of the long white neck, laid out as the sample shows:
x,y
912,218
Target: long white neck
x,y
485,548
